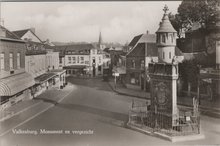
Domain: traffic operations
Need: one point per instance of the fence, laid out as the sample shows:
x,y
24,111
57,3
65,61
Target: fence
x,y
187,123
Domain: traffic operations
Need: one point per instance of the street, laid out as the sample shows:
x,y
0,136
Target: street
x,y
90,106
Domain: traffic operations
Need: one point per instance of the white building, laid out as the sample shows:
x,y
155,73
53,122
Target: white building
x,y
81,59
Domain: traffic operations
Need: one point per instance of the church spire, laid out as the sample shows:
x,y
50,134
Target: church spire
x,y
100,38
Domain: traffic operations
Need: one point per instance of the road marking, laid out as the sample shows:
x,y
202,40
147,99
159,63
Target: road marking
x,y
7,131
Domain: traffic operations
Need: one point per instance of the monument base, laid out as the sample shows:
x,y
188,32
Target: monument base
x,y
151,132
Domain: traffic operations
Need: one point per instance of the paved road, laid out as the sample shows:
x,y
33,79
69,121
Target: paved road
x,y
93,107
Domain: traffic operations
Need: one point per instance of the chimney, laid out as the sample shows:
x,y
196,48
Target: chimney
x,y
32,29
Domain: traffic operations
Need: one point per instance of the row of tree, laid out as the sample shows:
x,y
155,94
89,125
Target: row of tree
x,y
204,12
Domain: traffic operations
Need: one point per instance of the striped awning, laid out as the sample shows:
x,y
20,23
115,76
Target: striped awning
x,y
14,84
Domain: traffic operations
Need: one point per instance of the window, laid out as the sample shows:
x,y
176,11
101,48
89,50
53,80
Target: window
x,y
2,61
99,68
163,38
69,58
133,63
86,62
163,55
18,60
82,59
78,59
170,55
60,59
74,59
11,65
142,64
100,59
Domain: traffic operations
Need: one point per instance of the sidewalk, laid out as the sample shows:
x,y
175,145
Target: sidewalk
x,y
52,95
129,92
210,108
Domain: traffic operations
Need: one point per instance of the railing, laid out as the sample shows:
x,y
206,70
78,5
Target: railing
x,y
188,124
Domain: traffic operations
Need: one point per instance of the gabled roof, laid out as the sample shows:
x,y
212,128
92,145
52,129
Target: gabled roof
x,y
21,33
138,50
135,40
145,38
10,34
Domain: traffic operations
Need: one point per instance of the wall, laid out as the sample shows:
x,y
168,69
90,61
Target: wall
x,y
67,63
12,47
52,60
35,64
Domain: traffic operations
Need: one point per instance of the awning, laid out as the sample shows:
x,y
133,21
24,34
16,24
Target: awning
x,y
44,77
14,84
75,67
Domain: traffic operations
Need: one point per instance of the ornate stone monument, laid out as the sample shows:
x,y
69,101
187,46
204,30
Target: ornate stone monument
x,y
164,75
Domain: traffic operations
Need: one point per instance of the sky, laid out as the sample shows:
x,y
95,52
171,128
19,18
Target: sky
x,y
82,21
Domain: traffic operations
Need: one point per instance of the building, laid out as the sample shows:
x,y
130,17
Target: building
x,y
39,61
15,82
81,59
137,59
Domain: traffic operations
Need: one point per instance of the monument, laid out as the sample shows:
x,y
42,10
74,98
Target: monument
x,y
164,75
161,115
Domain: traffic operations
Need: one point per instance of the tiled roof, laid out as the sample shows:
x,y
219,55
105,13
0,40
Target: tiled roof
x,y
135,40
9,34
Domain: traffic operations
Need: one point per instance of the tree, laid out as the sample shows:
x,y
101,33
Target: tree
x,y
176,22
204,12
189,72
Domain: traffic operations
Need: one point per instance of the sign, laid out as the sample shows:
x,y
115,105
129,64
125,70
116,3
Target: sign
x,y
116,74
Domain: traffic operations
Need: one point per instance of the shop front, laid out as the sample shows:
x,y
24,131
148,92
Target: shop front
x,y
15,88
43,82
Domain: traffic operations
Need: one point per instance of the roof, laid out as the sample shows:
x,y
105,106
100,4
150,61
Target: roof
x,y
21,33
10,34
135,40
75,67
80,47
138,50
148,38
145,38
44,77
165,25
